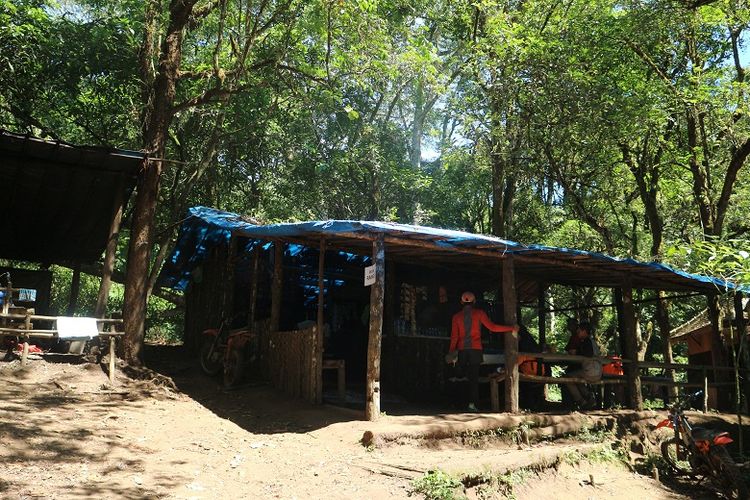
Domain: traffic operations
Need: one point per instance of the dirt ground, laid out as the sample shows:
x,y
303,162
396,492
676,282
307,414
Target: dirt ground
x,y
66,434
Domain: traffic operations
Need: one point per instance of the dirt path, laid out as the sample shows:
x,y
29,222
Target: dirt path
x,y
65,437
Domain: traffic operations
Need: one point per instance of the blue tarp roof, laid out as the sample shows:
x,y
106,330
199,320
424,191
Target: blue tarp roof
x,y
206,227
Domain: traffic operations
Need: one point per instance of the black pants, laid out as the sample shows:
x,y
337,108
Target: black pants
x,y
468,362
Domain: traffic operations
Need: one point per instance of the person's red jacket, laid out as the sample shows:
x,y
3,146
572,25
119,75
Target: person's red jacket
x,y
478,316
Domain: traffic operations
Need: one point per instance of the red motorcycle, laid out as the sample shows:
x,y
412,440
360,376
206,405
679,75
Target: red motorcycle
x,y
698,452
227,350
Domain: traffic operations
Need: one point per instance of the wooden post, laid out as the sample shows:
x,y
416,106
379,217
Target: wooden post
x,y
277,285
253,287
717,342
319,335
25,352
228,305
718,353
632,371
705,391
112,359
617,292
511,338
494,390
741,326
662,319
110,253
377,292
75,288
542,315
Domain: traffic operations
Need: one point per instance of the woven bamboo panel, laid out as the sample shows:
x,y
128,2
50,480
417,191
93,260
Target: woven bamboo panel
x,y
290,361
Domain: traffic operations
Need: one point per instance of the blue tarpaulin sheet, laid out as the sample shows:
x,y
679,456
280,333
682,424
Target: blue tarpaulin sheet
x,y
207,227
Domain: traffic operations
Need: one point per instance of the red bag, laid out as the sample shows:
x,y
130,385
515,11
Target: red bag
x,y
529,366
613,368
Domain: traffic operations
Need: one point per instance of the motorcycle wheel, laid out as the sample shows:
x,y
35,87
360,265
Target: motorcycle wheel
x,y
675,454
234,366
730,477
210,357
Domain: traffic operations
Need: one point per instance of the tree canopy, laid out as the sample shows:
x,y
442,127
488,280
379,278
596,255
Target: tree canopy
x,y
608,125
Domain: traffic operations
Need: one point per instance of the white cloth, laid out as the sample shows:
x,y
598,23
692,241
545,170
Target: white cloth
x,y
76,328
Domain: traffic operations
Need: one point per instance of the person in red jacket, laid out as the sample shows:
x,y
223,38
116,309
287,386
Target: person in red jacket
x,y
466,338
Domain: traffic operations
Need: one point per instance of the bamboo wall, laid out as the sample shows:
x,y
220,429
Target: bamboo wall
x,y
294,362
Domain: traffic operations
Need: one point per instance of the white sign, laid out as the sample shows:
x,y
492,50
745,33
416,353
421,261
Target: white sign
x,y
369,275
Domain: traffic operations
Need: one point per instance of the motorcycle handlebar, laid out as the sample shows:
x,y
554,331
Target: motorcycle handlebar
x,y
683,401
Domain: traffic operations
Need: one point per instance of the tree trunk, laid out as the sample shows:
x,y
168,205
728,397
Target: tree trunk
x,y
154,139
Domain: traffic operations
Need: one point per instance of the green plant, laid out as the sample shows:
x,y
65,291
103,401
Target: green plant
x,y
438,485
588,435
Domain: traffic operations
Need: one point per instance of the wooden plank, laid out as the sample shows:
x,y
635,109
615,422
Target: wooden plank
x,y
511,338
569,380
38,317
377,291
629,333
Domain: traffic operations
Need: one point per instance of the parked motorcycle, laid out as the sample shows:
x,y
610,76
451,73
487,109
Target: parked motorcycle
x,y
227,350
700,453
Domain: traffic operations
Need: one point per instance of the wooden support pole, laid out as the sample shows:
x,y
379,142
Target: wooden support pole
x,y
377,292
228,305
75,289
632,370
542,314
110,253
25,352
511,338
253,299
662,320
277,285
617,292
741,333
717,343
705,391
494,394
319,337
112,360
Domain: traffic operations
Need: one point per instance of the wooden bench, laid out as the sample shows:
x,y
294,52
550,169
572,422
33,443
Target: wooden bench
x,y
11,326
340,366
496,378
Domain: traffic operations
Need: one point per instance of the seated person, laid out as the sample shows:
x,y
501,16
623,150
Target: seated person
x,y
590,370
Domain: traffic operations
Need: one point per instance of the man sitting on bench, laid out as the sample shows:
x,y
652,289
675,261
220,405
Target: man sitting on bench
x,y
590,370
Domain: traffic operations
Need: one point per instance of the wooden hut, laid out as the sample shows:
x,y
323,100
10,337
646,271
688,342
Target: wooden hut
x,y
706,351
380,269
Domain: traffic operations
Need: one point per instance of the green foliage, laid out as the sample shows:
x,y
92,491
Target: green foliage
x,y
438,485
606,126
